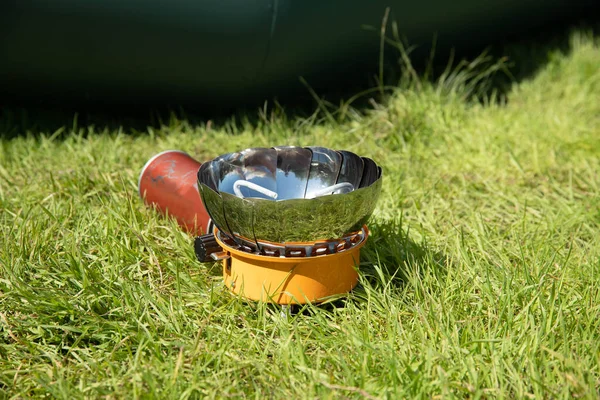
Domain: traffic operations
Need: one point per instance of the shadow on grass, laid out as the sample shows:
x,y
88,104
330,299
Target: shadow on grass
x,y
389,261
391,257
504,62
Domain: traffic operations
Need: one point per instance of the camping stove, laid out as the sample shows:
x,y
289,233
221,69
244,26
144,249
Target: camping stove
x,y
287,223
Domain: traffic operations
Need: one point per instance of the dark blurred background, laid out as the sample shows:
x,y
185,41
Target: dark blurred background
x,y
211,58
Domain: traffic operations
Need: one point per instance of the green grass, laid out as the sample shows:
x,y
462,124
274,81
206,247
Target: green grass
x,y
481,278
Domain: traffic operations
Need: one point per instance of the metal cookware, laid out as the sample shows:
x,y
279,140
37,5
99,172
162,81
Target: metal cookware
x,y
289,194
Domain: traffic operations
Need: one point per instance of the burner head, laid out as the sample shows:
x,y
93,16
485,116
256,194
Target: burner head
x,y
289,194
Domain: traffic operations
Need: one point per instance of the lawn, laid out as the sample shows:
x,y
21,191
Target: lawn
x,y
481,278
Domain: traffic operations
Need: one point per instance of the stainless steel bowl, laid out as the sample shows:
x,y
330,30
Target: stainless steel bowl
x,y
289,194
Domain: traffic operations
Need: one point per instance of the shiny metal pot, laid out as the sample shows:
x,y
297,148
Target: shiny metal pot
x,y
289,194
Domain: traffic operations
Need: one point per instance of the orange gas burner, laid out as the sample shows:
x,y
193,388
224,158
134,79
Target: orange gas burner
x,y
308,272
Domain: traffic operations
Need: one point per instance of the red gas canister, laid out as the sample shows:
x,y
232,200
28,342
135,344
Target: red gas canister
x,y
168,182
